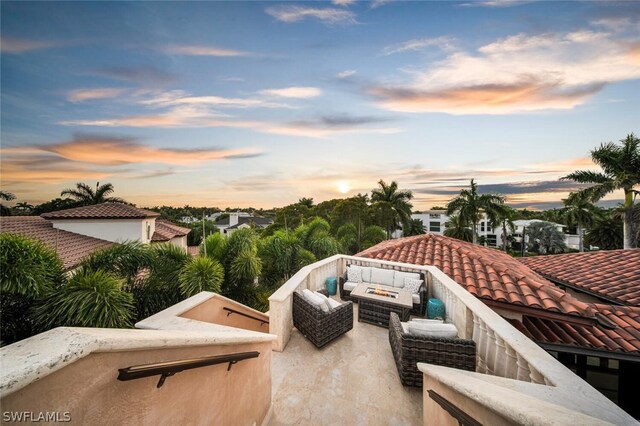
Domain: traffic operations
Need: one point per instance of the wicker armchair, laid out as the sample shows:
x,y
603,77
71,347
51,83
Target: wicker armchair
x,y
318,326
418,309
408,350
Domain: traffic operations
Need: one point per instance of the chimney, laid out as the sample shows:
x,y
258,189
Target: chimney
x,y
233,218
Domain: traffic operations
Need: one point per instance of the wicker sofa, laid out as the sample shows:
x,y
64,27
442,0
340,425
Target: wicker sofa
x,y
408,350
318,326
419,300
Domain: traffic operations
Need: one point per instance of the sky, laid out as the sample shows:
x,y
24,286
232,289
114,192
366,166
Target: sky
x,y
238,104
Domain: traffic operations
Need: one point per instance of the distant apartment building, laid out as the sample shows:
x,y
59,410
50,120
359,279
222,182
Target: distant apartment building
x,y
434,223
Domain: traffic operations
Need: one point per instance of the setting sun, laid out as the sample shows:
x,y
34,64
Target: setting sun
x,y
344,187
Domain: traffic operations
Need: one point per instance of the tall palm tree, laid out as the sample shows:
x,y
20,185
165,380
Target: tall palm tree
x,y
398,200
24,207
620,170
470,205
84,195
578,210
6,196
505,218
605,233
457,227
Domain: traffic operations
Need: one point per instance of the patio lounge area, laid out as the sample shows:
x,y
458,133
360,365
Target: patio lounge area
x,y
352,380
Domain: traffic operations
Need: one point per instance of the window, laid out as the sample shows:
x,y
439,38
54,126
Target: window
x,y
148,231
434,226
492,240
481,226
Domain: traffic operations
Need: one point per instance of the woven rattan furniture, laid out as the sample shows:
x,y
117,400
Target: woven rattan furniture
x,y
408,350
418,309
318,326
375,309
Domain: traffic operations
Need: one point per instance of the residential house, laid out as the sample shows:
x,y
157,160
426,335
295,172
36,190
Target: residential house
x,y
240,220
75,233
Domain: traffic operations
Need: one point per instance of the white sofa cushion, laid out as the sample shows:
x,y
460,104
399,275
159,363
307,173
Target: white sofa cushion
x,y
354,275
365,270
349,286
412,285
326,300
428,329
333,303
382,276
415,298
399,278
315,299
405,327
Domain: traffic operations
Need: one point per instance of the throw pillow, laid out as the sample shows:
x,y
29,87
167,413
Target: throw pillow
x,y
315,299
354,275
333,303
412,285
325,299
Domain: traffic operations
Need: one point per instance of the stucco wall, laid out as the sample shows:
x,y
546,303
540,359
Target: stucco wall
x,y
212,311
180,241
89,391
110,229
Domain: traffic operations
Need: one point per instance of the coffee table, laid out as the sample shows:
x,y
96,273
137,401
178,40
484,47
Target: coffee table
x,y
376,302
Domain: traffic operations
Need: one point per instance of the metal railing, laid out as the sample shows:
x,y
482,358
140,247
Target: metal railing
x,y
169,368
233,311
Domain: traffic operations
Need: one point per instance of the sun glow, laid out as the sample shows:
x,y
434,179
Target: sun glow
x,y
344,187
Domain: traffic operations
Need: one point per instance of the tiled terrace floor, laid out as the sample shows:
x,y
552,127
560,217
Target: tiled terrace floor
x,y
351,381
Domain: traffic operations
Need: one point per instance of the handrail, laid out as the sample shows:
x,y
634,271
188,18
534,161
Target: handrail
x,y
463,418
233,311
169,368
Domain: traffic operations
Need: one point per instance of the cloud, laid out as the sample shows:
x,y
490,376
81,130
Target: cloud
x,y
179,97
331,16
515,74
193,50
82,95
495,3
343,2
21,45
346,74
326,126
293,92
140,74
444,43
379,3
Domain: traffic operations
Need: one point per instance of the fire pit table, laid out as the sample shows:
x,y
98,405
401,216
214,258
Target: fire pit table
x,y
376,302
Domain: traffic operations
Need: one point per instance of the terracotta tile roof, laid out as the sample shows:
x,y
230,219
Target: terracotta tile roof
x,y
71,247
102,211
166,230
487,273
613,274
623,337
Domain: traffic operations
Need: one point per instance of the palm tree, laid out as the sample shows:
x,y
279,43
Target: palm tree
x,y
214,246
315,237
84,195
545,238
397,200
306,202
7,196
89,299
605,233
201,274
416,227
457,227
620,170
469,205
578,210
505,218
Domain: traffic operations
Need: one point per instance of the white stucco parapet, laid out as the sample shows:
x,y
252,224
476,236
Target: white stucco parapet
x,y
29,360
527,403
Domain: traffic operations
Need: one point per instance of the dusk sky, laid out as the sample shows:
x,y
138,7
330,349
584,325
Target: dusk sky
x,y
261,103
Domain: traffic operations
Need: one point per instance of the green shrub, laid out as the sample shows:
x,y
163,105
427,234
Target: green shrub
x,y
89,299
201,274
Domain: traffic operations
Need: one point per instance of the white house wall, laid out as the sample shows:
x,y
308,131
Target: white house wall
x,y
115,230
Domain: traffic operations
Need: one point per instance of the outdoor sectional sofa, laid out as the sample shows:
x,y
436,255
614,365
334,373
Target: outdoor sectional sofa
x,y
389,278
408,350
318,326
